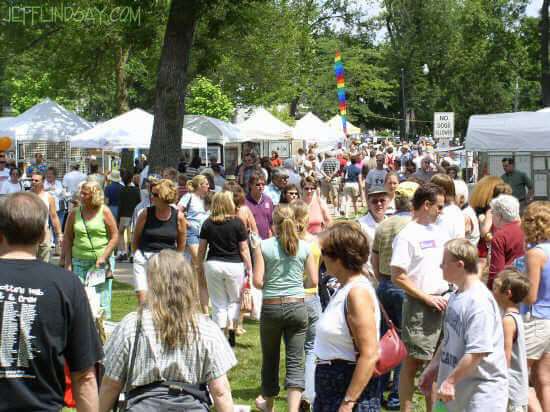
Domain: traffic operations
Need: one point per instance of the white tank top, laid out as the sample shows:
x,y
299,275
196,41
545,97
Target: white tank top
x,y
333,338
45,196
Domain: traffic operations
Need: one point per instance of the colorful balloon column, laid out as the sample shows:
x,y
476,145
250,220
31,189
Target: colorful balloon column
x,y
341,86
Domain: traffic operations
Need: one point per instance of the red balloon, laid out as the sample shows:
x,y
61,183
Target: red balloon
x,y
5,143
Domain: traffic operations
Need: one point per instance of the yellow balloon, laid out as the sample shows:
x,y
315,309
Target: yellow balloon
x,y
5,143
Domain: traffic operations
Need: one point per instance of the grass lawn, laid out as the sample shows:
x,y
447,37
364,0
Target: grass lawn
x,y
245,377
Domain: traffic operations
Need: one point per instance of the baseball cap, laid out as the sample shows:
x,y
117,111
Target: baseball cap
x,y
374,190
406,189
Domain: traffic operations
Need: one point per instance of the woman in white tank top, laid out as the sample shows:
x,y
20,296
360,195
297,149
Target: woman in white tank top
x,y
345,250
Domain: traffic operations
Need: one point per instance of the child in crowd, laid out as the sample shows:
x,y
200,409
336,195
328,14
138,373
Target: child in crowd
x,y
510,288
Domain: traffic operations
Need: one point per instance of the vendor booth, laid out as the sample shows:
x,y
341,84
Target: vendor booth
x,y
312,130
46,128
525,136
336,123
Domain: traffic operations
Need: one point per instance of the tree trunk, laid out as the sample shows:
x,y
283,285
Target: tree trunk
x,y
122,53
545,64
121,58
171,84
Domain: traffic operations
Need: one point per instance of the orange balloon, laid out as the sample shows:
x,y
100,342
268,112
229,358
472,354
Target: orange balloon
x,y
5,143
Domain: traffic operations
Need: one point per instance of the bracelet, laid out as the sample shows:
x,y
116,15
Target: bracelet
x,y
348,400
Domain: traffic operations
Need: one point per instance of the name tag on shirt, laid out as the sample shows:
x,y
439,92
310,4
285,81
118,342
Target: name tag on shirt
x,y
427,244
266,205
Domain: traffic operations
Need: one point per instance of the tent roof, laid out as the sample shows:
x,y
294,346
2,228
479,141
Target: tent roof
x,y
262,125
46,121
313,130
336,123
216,130
131,129
516,132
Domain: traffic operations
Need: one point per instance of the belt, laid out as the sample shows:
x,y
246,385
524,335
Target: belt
x,y
383,275
333,361
278,301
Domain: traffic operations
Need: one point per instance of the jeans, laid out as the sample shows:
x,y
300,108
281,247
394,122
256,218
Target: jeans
x,y
289,321
331,384
391,297
313,305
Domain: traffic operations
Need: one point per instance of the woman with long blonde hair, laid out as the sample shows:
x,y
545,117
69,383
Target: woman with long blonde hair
x,y
280,263
192,204
228,257
174,346
313,303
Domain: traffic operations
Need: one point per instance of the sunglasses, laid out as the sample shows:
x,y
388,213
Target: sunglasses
x,y
292,193
154,194
309,189
260,184
375,201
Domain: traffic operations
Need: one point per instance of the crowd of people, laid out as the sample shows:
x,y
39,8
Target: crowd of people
x,y
315,247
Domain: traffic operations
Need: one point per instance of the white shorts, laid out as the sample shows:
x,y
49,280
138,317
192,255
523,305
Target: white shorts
x,y
140,270
537,336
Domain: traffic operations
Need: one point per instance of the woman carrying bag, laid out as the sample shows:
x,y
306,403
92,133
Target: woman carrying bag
x,y
91,235
166,355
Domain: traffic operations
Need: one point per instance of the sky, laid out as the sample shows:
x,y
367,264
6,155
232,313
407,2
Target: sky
x,y
532,9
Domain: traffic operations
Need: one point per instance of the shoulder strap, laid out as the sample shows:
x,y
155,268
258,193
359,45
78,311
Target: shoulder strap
x,y
87,233
130,373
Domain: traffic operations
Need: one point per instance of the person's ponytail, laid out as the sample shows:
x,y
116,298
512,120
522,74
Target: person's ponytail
x,y
283,217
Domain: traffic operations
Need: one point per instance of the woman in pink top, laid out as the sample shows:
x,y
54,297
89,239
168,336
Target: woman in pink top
x,y
319,217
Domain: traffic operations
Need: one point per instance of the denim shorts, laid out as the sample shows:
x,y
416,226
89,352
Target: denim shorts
x,y
192,236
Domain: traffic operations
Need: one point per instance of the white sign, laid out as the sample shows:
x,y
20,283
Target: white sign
x,y
444,127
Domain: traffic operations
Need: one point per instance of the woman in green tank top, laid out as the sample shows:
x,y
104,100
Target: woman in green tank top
x,y
90,237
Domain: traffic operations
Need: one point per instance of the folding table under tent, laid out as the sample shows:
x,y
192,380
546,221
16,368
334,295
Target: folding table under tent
x,y
311,129
46,122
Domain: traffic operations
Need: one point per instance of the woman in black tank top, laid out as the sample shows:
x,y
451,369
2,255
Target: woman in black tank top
x,y
160,226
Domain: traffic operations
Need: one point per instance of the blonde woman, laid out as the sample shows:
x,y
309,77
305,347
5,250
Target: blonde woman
x,y
158,227
536,226
280,262
177,345
313,303
193,205
228,256
91,235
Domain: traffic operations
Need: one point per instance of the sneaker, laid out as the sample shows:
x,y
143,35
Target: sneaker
x,y
305,406
240,331
231,338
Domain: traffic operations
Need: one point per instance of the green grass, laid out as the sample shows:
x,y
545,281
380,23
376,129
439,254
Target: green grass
x,y
245,376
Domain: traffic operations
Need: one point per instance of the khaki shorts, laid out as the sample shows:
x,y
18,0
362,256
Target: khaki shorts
x,y
537,336
330,187
125,221
351,189
421,328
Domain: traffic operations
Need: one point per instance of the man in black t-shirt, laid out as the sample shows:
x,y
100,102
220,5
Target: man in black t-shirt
x,y
45,320
130,197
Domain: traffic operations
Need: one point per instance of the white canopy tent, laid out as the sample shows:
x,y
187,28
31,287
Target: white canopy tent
x,y
132,129
336,123
46,121
262,125
311,129
514,132
216,130
546,109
